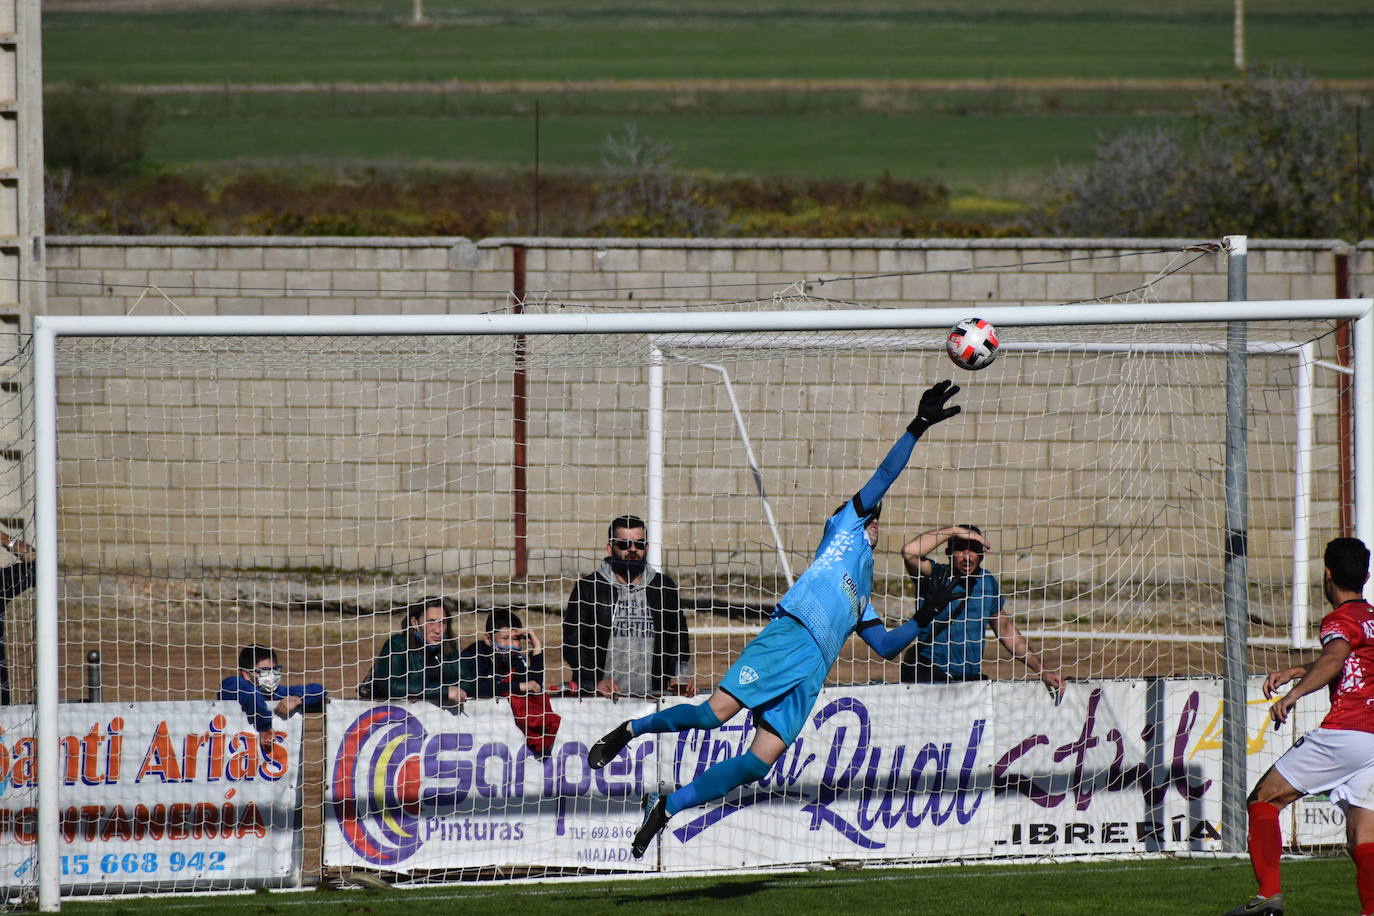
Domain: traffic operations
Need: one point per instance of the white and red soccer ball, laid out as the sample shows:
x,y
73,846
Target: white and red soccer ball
x,y
972,344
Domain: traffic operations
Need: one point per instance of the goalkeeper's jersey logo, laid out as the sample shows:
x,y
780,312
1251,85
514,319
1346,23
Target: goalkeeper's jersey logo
x,y
748,675
852,591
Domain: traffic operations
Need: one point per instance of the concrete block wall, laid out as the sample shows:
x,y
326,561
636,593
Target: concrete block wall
x,y
210,467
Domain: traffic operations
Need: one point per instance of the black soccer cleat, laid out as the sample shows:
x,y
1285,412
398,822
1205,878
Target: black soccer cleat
x,y
655,819
611,743
1259,906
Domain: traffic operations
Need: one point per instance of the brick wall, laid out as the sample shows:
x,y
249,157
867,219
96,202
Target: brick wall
x,y
342,502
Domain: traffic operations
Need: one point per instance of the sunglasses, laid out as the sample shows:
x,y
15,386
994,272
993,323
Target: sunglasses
x,y
627,543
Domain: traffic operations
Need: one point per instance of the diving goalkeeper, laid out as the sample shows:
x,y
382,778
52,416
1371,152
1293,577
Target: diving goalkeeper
x,y
781,672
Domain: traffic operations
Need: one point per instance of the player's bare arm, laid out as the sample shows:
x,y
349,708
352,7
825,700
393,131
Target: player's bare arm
x,y
1319,674
1016,643
915,551
1278,679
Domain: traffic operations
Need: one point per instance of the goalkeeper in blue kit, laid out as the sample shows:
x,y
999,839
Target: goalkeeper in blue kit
x,y
780,673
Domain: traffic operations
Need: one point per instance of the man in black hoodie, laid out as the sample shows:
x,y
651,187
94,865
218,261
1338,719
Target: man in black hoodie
x,y
624,633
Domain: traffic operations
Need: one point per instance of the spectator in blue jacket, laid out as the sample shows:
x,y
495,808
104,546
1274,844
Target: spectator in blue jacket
x,y
258,690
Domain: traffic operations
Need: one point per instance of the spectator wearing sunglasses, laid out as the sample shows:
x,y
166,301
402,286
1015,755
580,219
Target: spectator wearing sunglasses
x,y
624,633
258,690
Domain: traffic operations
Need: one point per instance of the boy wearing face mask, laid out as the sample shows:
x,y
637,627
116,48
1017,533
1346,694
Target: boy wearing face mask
x,y
258,690
507,659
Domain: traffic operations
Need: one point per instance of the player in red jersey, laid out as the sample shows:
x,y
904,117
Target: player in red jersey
x,y
1338,756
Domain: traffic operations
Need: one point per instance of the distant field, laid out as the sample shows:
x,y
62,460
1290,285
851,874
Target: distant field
x,y
291,44
649,10
1160,888
996,141
999,153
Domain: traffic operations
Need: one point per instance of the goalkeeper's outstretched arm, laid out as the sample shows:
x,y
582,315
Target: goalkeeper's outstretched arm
x,y
934,407
888,643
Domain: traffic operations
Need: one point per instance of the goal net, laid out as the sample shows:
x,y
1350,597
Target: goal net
x,y
309,493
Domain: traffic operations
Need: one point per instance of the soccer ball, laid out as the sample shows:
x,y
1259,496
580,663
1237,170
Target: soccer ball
x,y
972,344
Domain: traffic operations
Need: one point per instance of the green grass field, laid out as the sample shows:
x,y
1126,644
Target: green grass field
x,y
997,152
1131,888
585,40
980,140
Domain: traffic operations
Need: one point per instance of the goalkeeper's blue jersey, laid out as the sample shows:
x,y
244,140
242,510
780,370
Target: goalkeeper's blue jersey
x,y
831,597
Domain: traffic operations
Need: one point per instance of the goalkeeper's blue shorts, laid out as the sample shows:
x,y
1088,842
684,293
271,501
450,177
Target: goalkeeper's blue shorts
x,y
778,675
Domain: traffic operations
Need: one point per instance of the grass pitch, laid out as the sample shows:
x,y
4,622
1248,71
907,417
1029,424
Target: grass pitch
x,y
990,152
987,140
584,39
1154,887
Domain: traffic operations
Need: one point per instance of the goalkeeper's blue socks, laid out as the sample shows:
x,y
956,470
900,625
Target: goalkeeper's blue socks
x,y
717,781
677,718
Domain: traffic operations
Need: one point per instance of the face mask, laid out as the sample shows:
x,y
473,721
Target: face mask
x,y
268,680
630,569
504,647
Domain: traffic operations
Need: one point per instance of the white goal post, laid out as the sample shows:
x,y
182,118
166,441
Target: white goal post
x,y
49,330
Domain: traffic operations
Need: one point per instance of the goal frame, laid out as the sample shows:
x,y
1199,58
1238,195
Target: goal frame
x,y
47,330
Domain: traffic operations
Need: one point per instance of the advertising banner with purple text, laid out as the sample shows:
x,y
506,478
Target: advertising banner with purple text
x,y
885,771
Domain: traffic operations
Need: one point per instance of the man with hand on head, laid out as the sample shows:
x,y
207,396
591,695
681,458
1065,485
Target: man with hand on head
x,y
956,603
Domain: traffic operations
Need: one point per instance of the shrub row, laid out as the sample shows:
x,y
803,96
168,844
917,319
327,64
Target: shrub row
x,y
608,203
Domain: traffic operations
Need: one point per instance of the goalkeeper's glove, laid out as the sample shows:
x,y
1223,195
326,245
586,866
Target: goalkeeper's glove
x,y
934,407
933,595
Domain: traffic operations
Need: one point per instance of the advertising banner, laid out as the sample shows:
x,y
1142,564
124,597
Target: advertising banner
x,y
883,771
410,786
155,795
